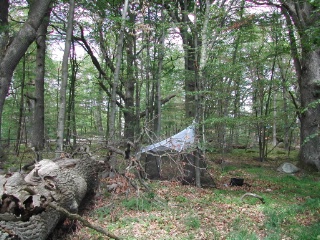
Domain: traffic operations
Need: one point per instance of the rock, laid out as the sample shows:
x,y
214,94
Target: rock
x,y
288,168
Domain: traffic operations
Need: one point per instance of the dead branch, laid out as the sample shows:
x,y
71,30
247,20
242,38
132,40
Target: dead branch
x,y
116,150
252,195
77,217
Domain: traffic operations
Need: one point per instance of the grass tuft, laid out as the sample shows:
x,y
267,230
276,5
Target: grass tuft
x,y
192,222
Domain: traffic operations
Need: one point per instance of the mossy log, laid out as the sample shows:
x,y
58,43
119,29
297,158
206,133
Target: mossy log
x,y
25,211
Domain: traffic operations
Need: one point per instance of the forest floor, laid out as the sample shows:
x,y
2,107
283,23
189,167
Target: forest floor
x,y
291,207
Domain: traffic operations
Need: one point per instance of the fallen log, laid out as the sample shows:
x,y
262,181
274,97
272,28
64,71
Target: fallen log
x,y
25,211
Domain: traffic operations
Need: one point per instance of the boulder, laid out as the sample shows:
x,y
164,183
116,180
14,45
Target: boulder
x,y
287,168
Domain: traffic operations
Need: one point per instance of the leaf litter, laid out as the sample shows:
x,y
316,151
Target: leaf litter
x,y
187,212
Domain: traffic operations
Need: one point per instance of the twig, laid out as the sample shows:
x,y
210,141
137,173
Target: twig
x,y
252,195
84,221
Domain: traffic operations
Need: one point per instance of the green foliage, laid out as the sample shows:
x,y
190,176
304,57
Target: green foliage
x,y
281,215
223,196
276,217
307,232
242,234
311,137
143,203
313,105
241,47
287,217
290,211
150,195
181,199
102,212
192,222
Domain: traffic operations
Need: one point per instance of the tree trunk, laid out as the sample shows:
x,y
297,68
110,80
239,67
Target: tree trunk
x,y
198,109
97,113
310,117
71,118
37,136
158,75
305,17
4,33
129,86
64,80
274,123
25,213
21,107
12,52
180,14
112,114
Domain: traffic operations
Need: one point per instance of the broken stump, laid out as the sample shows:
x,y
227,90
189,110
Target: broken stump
x,y
25,198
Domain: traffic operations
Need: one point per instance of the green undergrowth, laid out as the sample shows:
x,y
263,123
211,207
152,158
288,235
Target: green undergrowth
x,y
291,208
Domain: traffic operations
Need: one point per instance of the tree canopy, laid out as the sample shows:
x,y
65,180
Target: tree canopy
x,y
246,71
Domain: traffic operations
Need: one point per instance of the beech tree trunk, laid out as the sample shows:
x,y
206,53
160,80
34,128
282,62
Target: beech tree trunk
x,y
112,114
305,17
12,51
180,15
64,80
21,107
310,117
37,136
24,210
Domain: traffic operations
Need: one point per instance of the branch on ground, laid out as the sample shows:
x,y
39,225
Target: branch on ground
x,y
86,223
252,195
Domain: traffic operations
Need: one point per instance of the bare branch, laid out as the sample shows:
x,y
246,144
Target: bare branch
x,y
252,195
163,101
77,217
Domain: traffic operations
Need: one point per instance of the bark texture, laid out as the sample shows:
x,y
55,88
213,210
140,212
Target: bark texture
x,y
305,15
310,117
12,51
64,80
24,211
37,136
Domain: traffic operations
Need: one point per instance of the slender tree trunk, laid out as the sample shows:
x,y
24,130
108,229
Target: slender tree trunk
x,y
71,123
97,113
64,80
286,117
189,53
148,70
129,88
197,102
21,107
37,136
113,106
161,49
236,78
274,125
137,129
204,37
284,96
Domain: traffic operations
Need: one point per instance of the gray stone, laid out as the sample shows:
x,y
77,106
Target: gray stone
x,y
288,168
